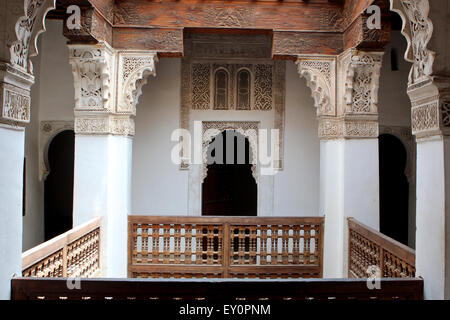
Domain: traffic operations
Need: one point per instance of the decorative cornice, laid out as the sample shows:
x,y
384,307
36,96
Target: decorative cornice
x,y
320,74
15,104
341,128
134,69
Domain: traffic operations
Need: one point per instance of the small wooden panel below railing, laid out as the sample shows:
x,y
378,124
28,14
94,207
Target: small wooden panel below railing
x,y
369,248
75,253
225,247
216,290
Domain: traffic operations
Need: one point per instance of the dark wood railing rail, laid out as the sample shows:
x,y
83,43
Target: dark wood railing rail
x,y
75,253
225,247
215,290
367,247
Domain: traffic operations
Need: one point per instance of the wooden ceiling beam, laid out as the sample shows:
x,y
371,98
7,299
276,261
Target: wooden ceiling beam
x,y
288,44
299,16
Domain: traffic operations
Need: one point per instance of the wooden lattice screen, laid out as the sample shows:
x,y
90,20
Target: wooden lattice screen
x,y
75,253
224,247
368,247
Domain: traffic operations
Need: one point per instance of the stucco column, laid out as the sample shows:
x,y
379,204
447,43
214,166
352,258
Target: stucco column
x,y
431,125
345,92
107,87
425,27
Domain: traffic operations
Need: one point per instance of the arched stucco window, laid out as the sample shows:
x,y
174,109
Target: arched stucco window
x,y
221,90
243,90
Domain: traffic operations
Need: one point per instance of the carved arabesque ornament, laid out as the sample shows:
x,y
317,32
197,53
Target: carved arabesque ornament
x,y
417,29
27,29
320,74
92,68
134,69
108,84
361,75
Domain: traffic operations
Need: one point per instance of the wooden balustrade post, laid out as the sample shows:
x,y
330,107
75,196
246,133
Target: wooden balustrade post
x,y
65,261
226,250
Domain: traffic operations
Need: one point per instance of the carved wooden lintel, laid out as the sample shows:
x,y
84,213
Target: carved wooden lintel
x,y
290,44
167,42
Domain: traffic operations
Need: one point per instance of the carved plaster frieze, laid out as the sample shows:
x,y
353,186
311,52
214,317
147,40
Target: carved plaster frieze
x,y
134,69
15,104
360,75
339,128
30,24
211,129
105,124
417,29
93,68
320,74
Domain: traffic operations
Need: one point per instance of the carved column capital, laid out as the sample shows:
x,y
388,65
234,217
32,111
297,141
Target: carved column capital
x,y
134,69
430,112
320,74
93,68
359,75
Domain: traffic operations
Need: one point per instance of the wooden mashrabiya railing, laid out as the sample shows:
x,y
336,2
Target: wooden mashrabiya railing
x,y
75,253
225,247
368,248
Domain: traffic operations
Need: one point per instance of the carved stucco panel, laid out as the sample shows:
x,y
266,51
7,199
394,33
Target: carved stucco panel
x,y
134,69
320,74
15,103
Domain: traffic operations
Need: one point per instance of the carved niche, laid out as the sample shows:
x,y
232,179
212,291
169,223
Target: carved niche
x,y
211,129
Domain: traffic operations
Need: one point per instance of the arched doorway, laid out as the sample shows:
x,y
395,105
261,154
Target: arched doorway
x,y
229,188
394,188
58,186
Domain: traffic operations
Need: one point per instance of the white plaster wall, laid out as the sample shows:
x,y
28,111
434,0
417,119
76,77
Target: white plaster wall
x,y
432,177
394,106
158,186
297,186
52,99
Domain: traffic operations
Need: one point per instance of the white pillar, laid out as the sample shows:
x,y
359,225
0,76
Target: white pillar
x,y
349,184
345,92
102,188
433,216
12,142
107,87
